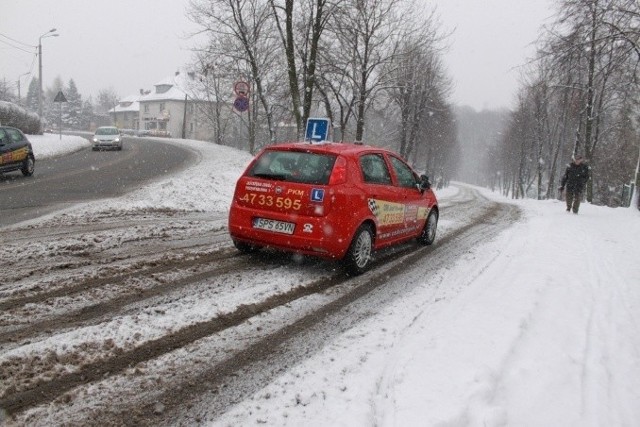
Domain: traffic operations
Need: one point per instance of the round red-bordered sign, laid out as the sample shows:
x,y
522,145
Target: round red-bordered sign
x,y
241,88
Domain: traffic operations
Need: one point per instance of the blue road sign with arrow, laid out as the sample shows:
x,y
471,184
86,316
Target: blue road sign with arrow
x,y
241,104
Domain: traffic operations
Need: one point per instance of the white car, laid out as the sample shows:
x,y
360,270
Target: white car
x,y
107,137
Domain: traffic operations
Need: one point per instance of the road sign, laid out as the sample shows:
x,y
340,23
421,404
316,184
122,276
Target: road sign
x,y
60,97
241,88
241,104
317,130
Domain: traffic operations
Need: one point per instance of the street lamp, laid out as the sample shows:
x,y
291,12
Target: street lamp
x,y
47,34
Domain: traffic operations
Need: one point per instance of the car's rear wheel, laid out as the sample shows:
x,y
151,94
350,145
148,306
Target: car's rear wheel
x,y
428,235
359,254
246,248
29,166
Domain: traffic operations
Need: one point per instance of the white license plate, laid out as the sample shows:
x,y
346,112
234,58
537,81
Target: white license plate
x,y
273,225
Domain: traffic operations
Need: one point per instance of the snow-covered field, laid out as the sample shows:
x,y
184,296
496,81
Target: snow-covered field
x,y
50,145
538,327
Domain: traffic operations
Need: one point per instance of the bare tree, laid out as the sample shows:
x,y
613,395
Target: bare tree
x,y
214,84
417,85
580,96
340,57
367,35
300,35
623,22
539,105
107,99
587,23
240,30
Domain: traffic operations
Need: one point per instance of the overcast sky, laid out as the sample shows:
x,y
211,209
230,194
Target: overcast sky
x,y
123,44
492,39
129,45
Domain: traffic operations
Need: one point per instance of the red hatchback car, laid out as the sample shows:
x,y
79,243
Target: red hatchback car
x,y
332,200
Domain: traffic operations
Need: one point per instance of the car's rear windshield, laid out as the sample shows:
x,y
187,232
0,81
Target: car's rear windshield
x,y
106,131
294,166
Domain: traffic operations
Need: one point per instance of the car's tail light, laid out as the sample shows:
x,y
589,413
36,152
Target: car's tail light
x,y
339,173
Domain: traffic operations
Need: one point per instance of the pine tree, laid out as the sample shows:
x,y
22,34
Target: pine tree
x,y
72,110
87,115
51,111
31,102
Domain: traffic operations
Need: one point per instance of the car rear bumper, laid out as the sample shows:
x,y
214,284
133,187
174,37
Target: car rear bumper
x,y
11,167
311,235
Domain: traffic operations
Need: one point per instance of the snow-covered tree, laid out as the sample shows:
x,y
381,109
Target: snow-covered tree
x,y
50,110
87,115
31,103
7,92
107,99
72,109
579,97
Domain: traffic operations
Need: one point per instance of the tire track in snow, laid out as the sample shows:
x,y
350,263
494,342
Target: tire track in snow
x,y
389,265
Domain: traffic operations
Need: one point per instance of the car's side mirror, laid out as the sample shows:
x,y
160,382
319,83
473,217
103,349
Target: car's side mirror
x,y
424,183
3,141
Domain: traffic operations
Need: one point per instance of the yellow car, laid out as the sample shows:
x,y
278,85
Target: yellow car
x,y
16,152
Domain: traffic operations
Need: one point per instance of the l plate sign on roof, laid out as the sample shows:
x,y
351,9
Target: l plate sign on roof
x,y
317,130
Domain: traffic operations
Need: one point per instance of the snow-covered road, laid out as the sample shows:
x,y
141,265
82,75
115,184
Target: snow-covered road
x,y
535,322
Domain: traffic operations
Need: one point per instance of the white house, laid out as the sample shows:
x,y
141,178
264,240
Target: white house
x,y
126,115
174,109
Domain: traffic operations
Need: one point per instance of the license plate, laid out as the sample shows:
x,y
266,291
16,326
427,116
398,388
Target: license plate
x,y
273,225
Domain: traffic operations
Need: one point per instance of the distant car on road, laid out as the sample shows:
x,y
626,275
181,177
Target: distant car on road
x,y
107,137
16,152
331,200
160,133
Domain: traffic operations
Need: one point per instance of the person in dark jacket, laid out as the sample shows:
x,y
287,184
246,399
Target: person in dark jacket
x,y
575,179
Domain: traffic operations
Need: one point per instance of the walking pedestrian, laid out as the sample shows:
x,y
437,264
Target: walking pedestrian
x,y
575,179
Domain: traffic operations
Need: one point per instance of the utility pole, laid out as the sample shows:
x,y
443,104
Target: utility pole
x,y
635,199
19,78
47,34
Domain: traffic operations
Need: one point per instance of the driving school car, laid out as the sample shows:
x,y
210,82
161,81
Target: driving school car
x,y
16,152
332,200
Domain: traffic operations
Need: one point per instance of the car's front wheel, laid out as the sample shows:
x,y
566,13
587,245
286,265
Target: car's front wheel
x,y
428,235
359,254
29,166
